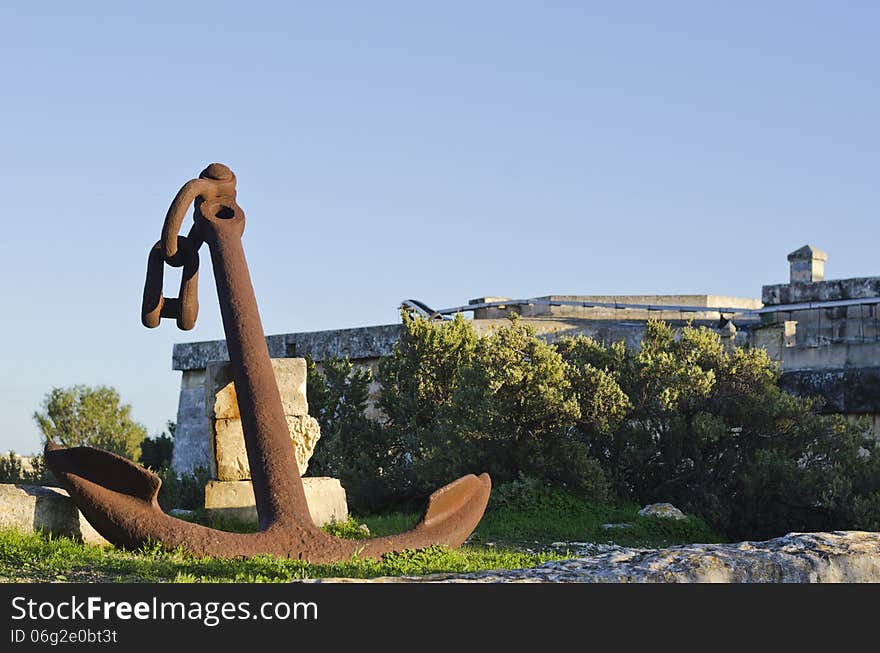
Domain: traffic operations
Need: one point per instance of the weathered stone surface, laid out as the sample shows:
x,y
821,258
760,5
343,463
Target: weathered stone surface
x,y
235,500
356,343
807,264
195,355
31,508
220,398
831,356
662,510
820,291
305,432
847,391
192,446
231,455
835,557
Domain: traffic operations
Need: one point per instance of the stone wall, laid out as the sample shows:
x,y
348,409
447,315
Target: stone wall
x,y
831,351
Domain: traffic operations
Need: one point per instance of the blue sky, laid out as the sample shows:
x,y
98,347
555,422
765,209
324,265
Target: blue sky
x,y
435,150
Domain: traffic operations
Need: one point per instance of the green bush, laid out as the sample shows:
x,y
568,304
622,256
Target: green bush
x,y
710,430
419,378
457,403
352,447
185,491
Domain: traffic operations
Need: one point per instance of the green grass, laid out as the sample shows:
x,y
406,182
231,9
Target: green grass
x,y
573,521
522,520
578,523
41,558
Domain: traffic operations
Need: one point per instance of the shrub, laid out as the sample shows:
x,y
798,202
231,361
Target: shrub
x,y
711,431
516,411
352,447
185,491
418,381
502,403
420,376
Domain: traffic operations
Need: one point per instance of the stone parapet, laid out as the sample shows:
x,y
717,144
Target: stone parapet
x,y
831,357
565,306
821,291
192,443
357,343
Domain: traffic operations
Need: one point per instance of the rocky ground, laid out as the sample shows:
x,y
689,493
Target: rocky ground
x,y
835,557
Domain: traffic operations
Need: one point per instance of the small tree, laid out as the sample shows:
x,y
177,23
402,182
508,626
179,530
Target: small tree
x,y
90,416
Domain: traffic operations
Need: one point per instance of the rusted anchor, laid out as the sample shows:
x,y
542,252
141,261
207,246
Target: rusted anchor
x,y
119,498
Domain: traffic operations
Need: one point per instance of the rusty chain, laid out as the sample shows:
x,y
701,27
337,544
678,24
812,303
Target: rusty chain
x,y
216,183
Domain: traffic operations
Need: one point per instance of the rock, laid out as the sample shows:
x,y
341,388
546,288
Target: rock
x,y
613,527
662,510
235,500
221,401
835,557
231,456
31,508
305,432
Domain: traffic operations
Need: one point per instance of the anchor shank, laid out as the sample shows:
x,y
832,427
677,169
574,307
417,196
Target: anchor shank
x,y
278,490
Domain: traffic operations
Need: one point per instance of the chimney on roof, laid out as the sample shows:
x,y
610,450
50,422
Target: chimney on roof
x,y
807,264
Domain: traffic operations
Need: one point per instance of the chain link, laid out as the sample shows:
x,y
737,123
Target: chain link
x,y
216,182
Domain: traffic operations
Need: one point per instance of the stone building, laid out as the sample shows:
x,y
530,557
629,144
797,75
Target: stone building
x,y
823,333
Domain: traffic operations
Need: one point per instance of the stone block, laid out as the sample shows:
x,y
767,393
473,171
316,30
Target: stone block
x,y
31,508
235,500
220,398
771,338
230,454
